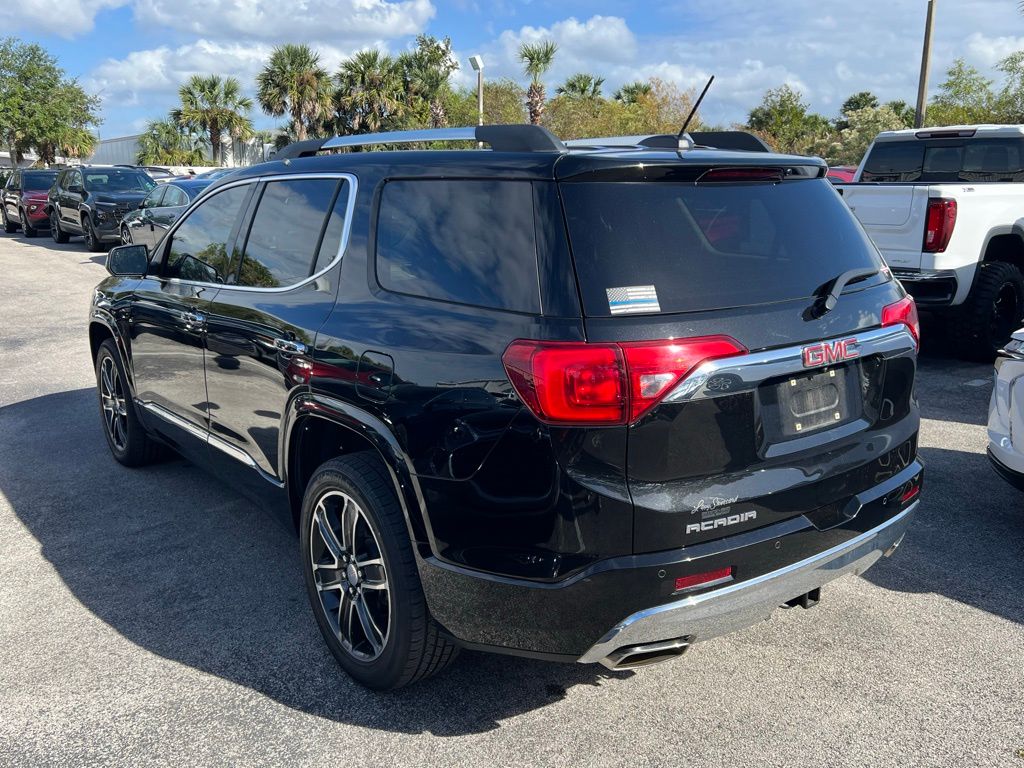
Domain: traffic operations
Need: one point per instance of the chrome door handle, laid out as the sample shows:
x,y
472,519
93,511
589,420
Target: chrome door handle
x,y
193,319
290,346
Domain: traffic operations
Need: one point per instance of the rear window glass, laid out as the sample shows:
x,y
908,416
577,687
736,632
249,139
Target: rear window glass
x,y
692,247
116,180
946,160
287,231
469,242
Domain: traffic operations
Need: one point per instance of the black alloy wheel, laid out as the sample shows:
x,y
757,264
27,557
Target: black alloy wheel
x,y
361,576
59,235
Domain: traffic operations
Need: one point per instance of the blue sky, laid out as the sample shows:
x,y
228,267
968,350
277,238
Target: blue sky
x,y
135,53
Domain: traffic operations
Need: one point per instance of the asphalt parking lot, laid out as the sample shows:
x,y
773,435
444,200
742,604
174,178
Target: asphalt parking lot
x,y
153,617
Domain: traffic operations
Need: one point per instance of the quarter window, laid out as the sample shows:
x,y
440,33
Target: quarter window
x,y
153,198
295,221
198,247
469,242
174,198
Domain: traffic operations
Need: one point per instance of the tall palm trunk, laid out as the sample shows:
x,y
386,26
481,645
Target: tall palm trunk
x,y
535,98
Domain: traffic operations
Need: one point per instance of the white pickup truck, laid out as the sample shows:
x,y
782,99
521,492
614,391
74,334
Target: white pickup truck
x,y
945,206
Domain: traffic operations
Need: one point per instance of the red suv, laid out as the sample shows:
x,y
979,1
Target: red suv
x,y
24,201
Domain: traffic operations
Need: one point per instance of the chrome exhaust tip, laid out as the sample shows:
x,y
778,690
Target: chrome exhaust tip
x,y
895,545
633,656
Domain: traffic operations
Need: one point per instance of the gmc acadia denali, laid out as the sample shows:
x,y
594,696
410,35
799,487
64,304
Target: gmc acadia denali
x,y
585,404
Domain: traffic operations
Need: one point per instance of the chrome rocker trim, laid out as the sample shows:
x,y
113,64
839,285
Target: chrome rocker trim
x,y
745,603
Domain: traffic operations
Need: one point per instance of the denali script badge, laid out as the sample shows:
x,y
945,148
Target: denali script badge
x,y
721,522
828,352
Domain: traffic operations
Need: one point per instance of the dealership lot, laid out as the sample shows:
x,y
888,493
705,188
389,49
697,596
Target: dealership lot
x,y
155,617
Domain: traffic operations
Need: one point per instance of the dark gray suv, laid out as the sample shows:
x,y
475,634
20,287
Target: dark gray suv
x,y
91,201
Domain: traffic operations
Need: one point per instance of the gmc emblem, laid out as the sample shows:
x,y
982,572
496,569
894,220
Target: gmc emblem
x,y
828,352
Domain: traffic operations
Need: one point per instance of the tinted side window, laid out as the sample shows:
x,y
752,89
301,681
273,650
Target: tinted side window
x,y
286,232
153,198
470,242
174,197
198,248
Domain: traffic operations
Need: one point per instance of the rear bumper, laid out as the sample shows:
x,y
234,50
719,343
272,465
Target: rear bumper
x,y
930,288
1012,476
631,600
736,606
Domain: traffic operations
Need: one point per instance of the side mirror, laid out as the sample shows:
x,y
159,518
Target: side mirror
x,y
128,260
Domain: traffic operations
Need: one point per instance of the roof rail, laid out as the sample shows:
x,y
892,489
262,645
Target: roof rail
x,y
501,138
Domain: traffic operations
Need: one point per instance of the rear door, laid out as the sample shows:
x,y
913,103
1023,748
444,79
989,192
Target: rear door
x,y
280,289
11,196
141,226
722,276
171,207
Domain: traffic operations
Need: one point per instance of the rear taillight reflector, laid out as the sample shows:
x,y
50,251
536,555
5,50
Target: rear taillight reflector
x,y
940,223
578,383
720,576
910,493
903,312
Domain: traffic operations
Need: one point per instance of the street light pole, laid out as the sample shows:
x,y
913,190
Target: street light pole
x,y
926,55
477,63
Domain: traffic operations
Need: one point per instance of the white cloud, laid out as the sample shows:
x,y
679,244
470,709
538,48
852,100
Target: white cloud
x,y
342,21
73,17
987,51
147,77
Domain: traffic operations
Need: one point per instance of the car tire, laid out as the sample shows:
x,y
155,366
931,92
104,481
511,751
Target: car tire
x,y
9,226
352,535
126,235
993,311
92,242
59,235
125,434
27,229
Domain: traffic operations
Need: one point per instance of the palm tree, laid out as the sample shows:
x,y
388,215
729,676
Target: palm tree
x,y
581,86
215,106
425,73
536,59
631,93
166,142
369,94
293,82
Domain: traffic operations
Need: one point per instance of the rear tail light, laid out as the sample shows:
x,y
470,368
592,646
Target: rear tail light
x,y
910,492
940,223
903,312
697,580
577,383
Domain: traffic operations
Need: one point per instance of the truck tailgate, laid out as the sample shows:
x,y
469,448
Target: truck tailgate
x,y
894,216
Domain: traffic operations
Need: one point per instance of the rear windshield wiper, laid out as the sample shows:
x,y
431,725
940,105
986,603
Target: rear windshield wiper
x,y
826,302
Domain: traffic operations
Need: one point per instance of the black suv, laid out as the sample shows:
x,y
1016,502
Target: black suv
x,y
91,201
584,404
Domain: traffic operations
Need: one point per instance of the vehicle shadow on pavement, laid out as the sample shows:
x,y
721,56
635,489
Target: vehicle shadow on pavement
x,y
179,564
967,538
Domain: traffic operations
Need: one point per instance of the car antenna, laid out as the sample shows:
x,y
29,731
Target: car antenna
x,y
689,117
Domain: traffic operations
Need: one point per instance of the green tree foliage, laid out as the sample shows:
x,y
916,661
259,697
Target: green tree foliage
x,y
964,98
369,96
1010,101
783,120
536,59
504,104
167,142
659,108
582,85
425,75
293,82
904,111
216,106
630,93
40,108
848,145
